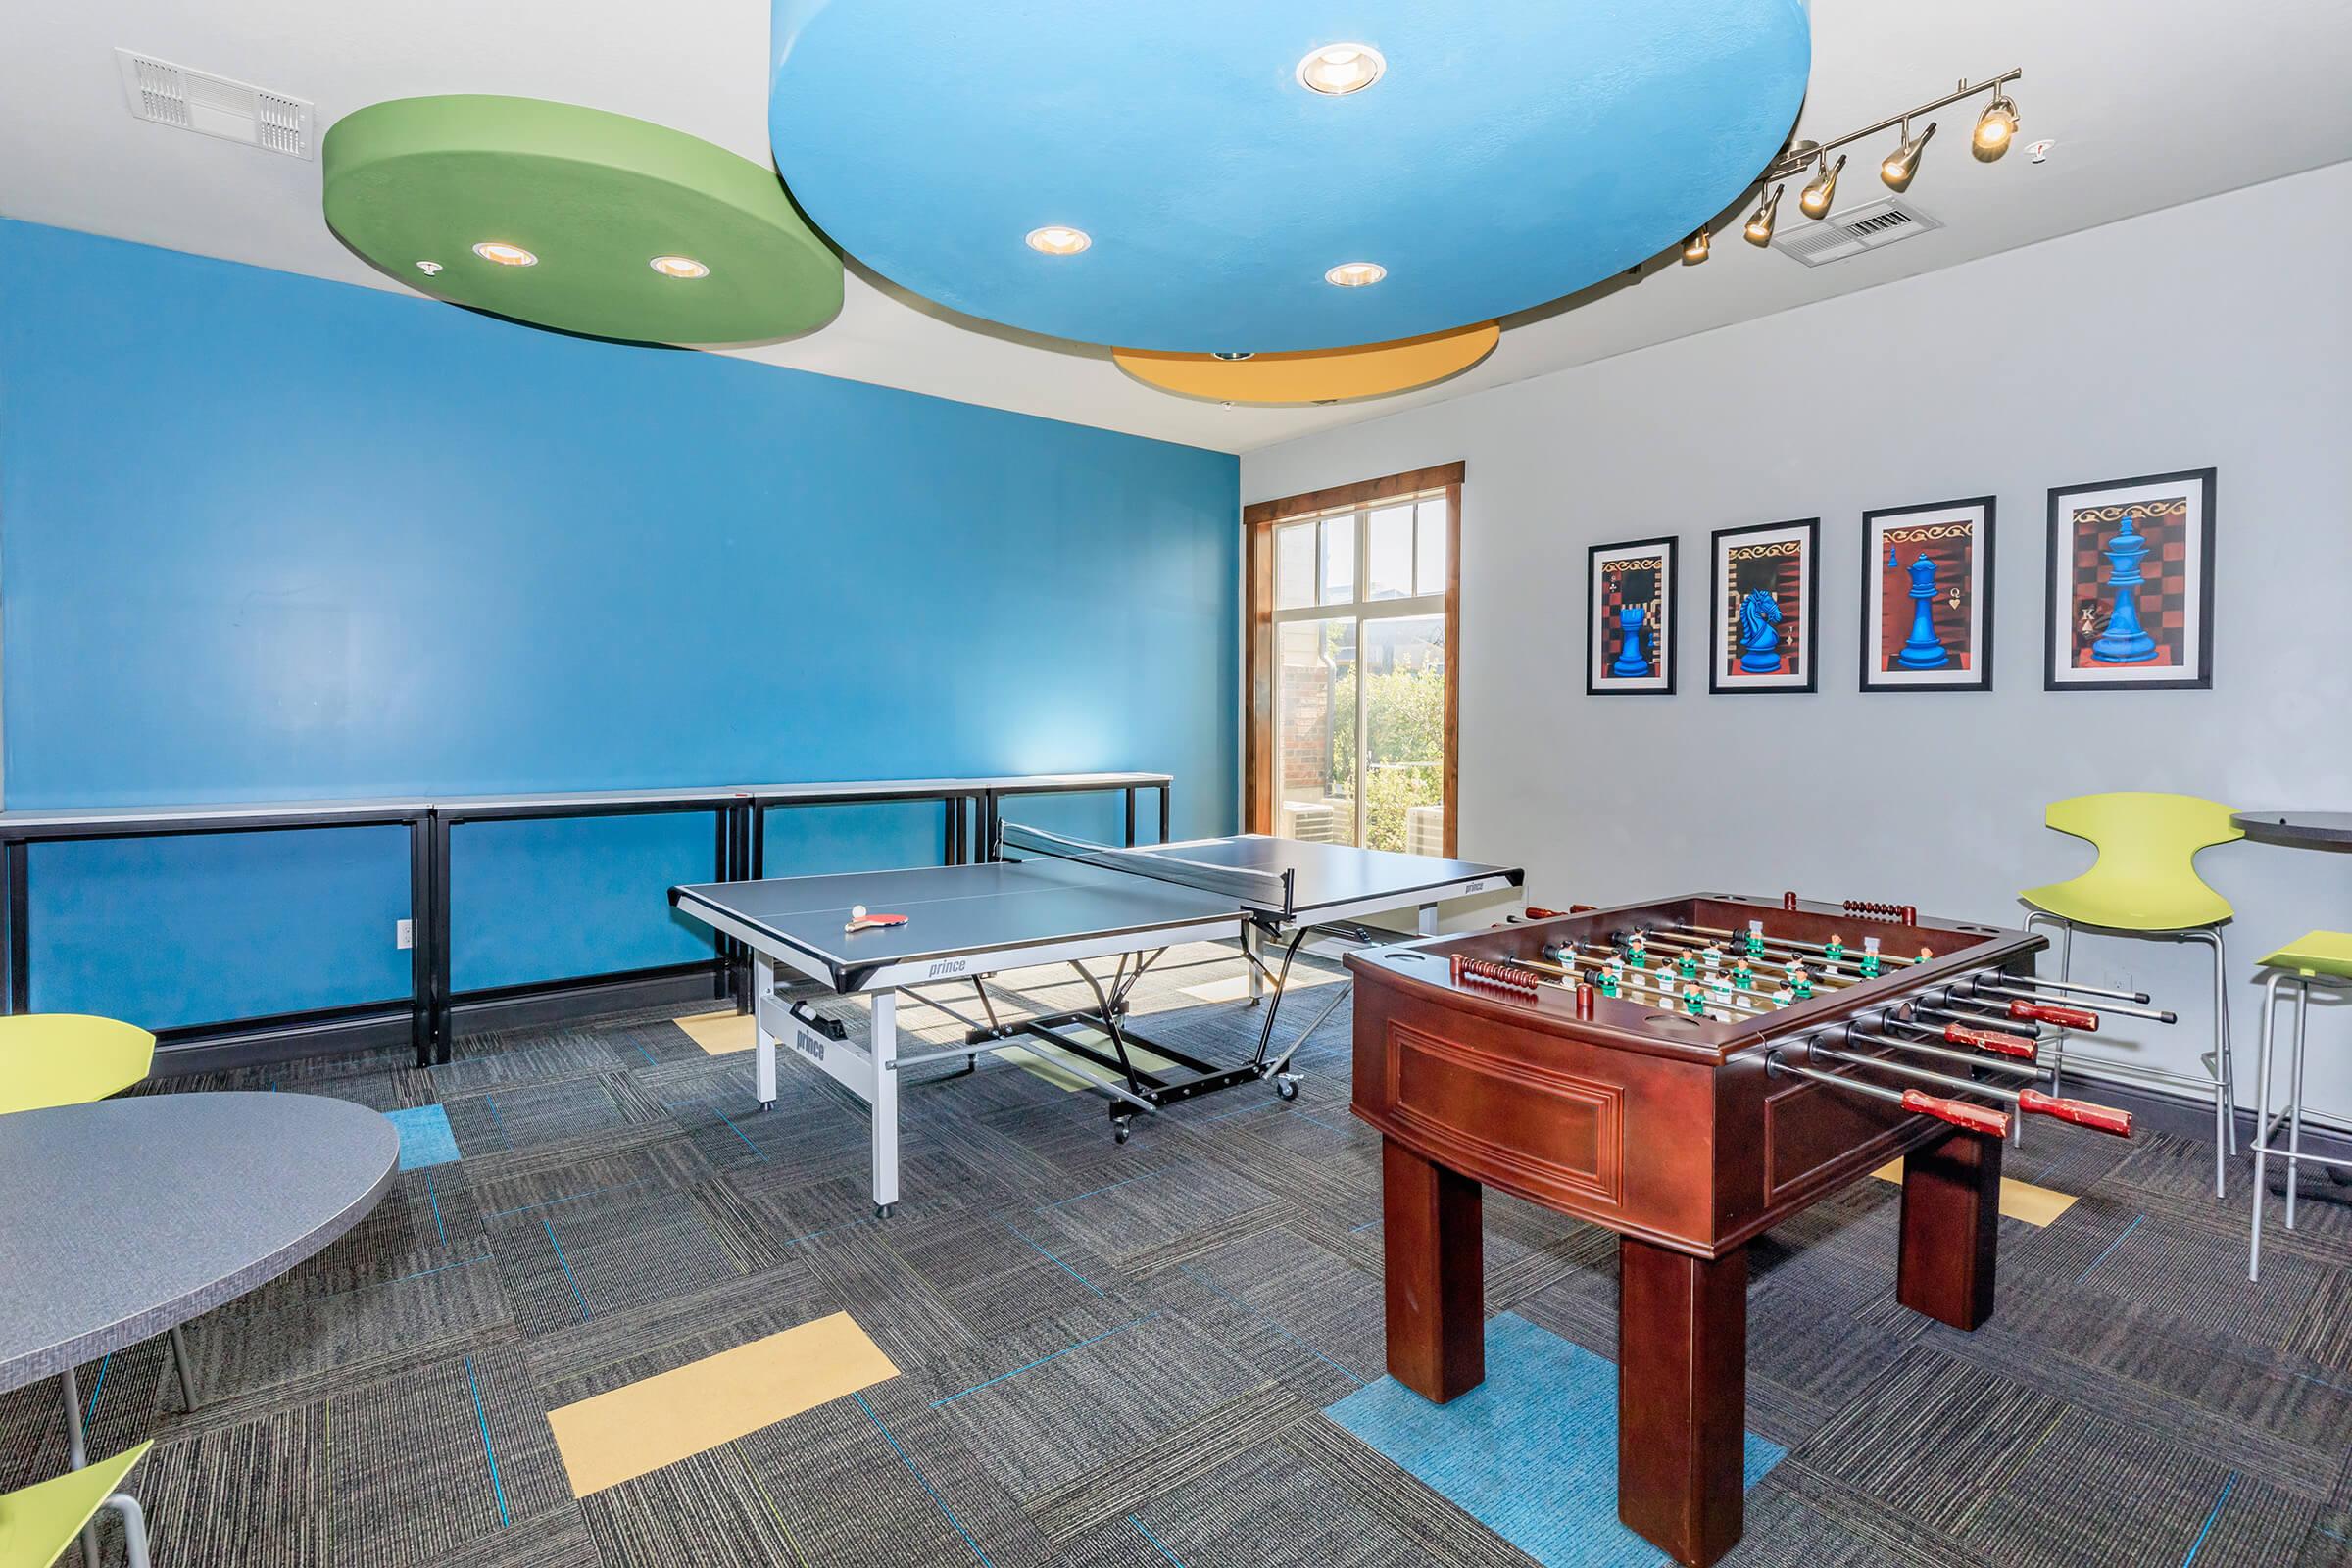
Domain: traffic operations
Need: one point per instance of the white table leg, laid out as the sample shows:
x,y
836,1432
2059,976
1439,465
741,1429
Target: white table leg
x,y
885,1102
1429,920
763,1050
1257,975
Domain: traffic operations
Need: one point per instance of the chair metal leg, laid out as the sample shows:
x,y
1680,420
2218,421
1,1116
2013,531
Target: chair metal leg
x,y
179,1364
2294,1099
134,1526
2228,1042
77,1456
2066,972
2262,1119
2225,1089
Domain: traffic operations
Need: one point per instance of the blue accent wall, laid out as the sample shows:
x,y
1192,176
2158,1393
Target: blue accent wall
x,y
268,538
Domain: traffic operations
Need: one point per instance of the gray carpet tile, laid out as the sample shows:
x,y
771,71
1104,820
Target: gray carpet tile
x,y
1115,1355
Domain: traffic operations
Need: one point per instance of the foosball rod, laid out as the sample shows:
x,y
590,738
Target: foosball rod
x,y
1982,1044
2079,988
2021,1039
1661,985
1847,970
1790,943
1968,988
1825,970
2029,1101
2153,1014
1959,1113
1855,1030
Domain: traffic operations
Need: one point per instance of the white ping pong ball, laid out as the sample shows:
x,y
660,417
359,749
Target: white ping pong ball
x,y
856,911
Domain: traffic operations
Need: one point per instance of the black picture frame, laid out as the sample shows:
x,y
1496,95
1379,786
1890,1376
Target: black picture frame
x,y
1720,543
1980,605
1598,681
2061,617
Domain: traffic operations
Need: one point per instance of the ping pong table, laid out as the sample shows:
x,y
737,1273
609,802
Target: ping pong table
x,y
1041,900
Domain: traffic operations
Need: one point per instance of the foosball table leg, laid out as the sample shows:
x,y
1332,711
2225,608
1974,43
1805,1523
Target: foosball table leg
x,y
1682,1398
1951,1228
1435,1275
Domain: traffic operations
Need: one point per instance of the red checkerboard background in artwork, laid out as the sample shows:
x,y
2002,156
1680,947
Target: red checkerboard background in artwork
x,y
1786,587
2163,598
1954,556
1612,600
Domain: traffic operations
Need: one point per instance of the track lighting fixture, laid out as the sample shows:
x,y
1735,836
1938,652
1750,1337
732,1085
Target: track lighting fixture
x,y
1814,200
1759,228
1995,126
1695,249
1903,163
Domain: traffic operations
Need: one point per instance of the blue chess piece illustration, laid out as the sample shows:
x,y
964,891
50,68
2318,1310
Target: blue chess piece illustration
x,y
1632,660
1925,650
2125,640
1759,634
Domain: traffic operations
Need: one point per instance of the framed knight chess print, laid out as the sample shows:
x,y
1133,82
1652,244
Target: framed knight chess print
x,y
1927,597
1630,617
1763,630
2130,586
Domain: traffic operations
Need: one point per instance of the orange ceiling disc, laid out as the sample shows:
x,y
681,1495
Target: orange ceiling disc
x,y
1323,376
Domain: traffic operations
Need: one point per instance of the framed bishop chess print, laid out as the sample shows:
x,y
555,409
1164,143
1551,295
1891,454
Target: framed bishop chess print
x,y
1630,617
1927,597
1763,634
2130,587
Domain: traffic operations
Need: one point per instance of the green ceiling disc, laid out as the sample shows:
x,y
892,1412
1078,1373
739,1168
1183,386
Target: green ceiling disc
x,y
414,185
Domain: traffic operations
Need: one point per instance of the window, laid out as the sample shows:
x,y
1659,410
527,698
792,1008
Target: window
x,y
1353,618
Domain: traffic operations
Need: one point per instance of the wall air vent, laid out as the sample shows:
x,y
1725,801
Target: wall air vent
x,y
195,100
1852,232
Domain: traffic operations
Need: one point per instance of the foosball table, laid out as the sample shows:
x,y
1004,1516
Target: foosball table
x,y
1690,1073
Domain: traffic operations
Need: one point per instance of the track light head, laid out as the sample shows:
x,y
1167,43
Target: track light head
x,y
1759,228
1903,163
1996,127
1814,200
1695,249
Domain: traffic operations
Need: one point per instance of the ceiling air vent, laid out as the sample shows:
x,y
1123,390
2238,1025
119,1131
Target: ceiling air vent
x,y
195,100
1852,232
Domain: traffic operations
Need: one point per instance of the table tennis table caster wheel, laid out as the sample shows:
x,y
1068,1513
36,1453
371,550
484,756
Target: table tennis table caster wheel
x,y
882,1210
1120,1130
1286,1087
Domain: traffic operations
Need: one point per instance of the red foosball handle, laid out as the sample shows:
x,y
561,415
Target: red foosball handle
x,y
2081,1112
2052,1012
2000,1045
1959,1113
1538,913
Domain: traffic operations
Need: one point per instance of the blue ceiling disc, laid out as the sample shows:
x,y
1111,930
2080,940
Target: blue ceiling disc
x,y
1511,152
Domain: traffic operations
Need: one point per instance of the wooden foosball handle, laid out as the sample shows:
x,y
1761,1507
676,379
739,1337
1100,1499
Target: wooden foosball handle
x,y
1959,1113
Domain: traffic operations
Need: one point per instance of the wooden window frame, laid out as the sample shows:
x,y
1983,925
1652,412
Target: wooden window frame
x,y
1259,521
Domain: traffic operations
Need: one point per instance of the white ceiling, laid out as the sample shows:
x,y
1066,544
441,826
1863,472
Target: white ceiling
x,y
2151,103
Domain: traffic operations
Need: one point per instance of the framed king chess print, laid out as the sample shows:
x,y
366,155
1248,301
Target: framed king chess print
x,y
1763,633
1630,617
2130,586
1927,597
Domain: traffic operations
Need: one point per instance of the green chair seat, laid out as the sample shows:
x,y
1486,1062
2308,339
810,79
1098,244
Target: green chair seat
x,y
39,1522
69,1058
2145,877
2316,952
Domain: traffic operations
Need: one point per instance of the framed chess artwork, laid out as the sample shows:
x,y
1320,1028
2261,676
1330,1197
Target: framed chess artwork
x,y
1927,597
2130,586
1763,634
1630,617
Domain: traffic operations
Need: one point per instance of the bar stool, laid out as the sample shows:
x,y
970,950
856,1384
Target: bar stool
x,y
2323,957
2146,884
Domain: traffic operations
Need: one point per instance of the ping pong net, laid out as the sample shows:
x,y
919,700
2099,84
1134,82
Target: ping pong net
x,y
1259,891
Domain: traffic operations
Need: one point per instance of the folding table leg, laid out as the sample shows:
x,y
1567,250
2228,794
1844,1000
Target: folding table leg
x,y
763,1052
885,1102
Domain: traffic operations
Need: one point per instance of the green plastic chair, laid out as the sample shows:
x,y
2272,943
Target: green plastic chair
x,y
2146,884
69,1058
2321,958
40,1521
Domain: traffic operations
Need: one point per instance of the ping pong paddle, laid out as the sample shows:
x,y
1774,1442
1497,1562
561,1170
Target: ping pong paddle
x,y
860,920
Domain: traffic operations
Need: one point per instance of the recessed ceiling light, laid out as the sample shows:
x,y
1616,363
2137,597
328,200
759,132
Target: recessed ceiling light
x,y
1055,240
429,269
503,254
678,267
1356,274
1339,68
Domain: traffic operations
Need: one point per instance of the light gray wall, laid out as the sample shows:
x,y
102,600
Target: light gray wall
x,y
2211,335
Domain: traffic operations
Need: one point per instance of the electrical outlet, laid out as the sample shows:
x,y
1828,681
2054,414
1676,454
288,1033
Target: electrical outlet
x,y
404,934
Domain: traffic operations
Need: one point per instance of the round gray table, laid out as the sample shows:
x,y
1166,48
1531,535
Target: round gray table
x,y
124,1218
2302,830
